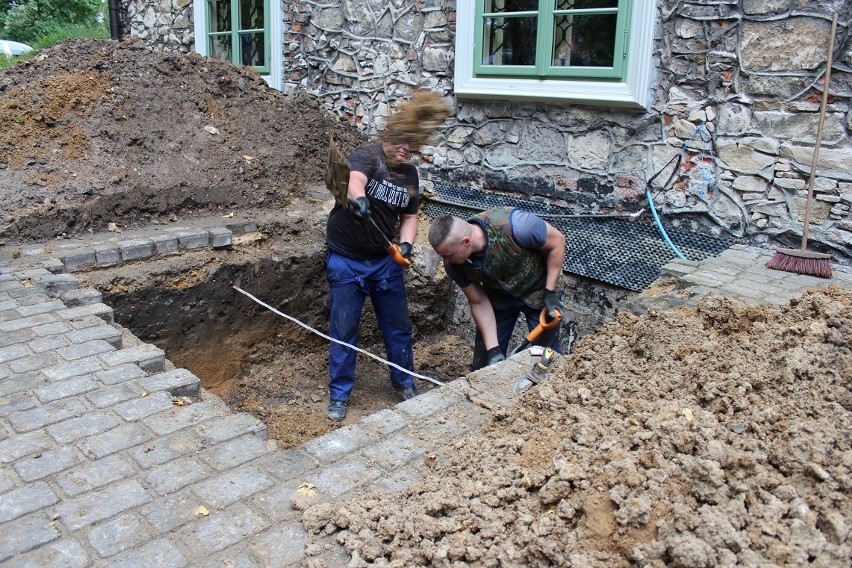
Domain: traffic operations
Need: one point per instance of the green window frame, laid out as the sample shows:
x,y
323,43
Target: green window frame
x,y
238,31
552,39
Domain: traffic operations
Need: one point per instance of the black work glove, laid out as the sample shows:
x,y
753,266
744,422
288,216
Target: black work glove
x,y
360,207
494,355
553,302
405,250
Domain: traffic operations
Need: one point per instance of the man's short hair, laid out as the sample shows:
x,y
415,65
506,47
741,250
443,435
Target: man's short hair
x,y
441,229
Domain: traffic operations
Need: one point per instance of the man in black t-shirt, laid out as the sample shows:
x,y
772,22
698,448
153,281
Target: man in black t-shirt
x,y
382,192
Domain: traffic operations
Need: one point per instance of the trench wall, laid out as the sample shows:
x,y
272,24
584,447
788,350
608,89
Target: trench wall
x,y
736,86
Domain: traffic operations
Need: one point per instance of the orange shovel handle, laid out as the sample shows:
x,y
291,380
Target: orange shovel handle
x,y
396,254
543,324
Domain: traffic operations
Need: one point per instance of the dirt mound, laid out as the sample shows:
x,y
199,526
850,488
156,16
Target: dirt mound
x,y
716,435
97,131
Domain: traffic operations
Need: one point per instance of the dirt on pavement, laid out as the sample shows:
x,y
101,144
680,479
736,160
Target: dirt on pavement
x,y
716,435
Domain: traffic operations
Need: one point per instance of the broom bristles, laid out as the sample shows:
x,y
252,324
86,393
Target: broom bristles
x,y
804,264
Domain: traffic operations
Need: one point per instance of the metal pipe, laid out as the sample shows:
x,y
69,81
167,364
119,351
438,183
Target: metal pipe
x,y
115,19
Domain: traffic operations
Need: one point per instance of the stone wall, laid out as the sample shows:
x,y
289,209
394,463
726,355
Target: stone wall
x,y
736,93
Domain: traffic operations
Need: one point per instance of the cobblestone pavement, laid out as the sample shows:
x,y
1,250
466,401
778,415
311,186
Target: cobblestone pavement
x,y
109,459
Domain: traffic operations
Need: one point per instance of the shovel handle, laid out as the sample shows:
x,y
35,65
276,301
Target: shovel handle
x,y
543,324
396,255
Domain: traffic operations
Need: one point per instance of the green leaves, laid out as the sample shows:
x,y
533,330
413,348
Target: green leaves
x,y
29,20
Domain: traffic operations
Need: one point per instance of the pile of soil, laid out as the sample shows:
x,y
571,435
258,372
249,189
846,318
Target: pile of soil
x,y
695,437
94,132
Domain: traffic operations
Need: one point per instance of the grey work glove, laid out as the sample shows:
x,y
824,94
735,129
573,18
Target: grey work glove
x,y
494,355
360,207
553,302
405,250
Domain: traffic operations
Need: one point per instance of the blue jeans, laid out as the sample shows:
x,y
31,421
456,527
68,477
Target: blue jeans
x,y
506,319
350,281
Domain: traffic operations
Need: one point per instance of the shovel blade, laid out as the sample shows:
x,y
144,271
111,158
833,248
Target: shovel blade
x,y
522,385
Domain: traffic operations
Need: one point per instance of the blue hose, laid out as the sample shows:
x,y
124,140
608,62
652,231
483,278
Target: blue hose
x,y
660,225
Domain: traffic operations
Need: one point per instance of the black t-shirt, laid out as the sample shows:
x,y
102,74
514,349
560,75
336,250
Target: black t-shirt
x,y
392,191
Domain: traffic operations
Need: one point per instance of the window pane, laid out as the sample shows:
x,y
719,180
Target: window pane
x,y
252,51
220,46
221,20
251,14
509,41
585,4
584,41
510,6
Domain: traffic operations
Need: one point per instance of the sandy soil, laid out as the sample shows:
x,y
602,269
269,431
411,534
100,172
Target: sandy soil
x,y
708,436
716,436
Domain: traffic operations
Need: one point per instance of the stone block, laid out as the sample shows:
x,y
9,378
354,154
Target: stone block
x,y
75,261
337,444
17,447
67,553
161,553
232,486
89,424
180,417
344,476
109,396
175,475
98,505
139,408
44,307
282,546
117,535
44,344
36,362
84,350
117,439
165,244
94,475
120,373
235,452
81,297
27,499
105,332
42,416
136,249
190,240
173,511
226,528
45,464
231,426
148,357
220,237
67,388
167,448
12,352
24,323
98,310
287,464
178,382
66,370
26,534
107,255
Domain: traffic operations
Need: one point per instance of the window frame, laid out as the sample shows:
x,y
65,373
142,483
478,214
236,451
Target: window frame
x,y
631,91
271,72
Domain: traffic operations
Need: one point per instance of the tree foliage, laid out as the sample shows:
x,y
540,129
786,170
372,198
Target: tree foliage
x,y
27,20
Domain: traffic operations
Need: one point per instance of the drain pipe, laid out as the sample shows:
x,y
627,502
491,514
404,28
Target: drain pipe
x,y
115,19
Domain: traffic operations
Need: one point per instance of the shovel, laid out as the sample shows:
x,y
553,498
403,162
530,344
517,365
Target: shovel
x,y
543,325
537,374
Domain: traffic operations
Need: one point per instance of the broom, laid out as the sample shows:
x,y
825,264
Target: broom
x,y
803,261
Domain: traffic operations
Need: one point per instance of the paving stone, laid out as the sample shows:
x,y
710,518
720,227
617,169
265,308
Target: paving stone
x,y
232,557
232,486
87,321
55,284
274,504
190,240
180,417
25,534
27,499
33,362
88,424
120,374
81,297
344,476
429,403
98,505
17,338
47,343
107,255
52,328
12,352
136,249
98,310
231,426
383,422
334,445
17,447
235,452
15,402
68,369
165,244
176,510
179,382
45,464
395,451
175,475
45,415
160,553
287,464
117,439
75,261
117,535
104,332
66,553
26,322
223,529
108,396
139,408
148,357
67,388
167,448
220,237
283,546
398,479
43,307
87,349
95,474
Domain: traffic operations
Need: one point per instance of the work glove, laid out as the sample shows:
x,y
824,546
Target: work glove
x,y
494,355
553,302
360,207
405,250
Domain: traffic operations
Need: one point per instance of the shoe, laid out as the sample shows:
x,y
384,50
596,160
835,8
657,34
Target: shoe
x,y
410,392
337,410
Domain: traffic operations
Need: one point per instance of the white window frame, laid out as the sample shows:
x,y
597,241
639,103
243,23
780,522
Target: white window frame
x,y
201,27
634,91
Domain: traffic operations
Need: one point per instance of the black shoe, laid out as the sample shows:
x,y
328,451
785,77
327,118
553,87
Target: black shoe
x,y
410,392
337,410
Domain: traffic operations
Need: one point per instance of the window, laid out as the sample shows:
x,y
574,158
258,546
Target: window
x,y
593,51
237,32
244,32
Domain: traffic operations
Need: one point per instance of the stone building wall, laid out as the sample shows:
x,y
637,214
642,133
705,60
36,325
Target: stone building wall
x,y
736,91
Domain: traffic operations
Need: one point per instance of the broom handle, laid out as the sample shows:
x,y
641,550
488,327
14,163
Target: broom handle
x,y
818,141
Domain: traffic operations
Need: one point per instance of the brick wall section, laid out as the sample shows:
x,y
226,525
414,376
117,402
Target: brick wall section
x,y
737,87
